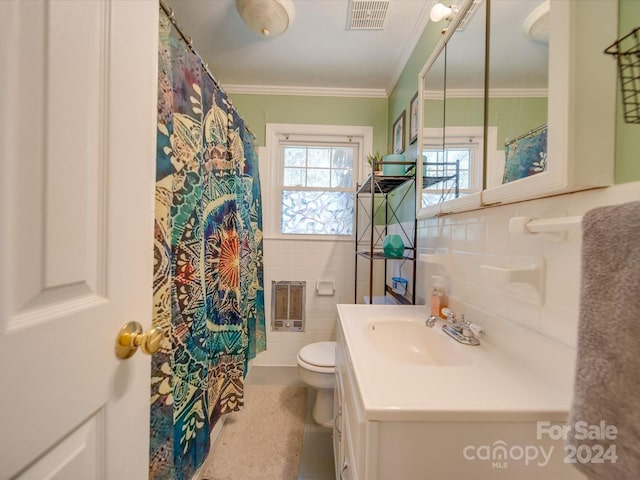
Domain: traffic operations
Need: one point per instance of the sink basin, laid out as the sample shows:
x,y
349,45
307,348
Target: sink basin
x,y
409,341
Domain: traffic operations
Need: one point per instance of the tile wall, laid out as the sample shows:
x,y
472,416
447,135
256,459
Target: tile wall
x,y
308,261
470,240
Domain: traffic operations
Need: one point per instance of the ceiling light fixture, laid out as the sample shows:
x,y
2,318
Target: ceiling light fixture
x,y
269,18
442,12
536,25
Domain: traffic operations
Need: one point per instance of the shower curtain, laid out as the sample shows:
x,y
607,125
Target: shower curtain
x,y
208,280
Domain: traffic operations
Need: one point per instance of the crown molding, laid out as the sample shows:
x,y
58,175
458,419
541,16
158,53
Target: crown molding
x,y
518,92
493,93
306,91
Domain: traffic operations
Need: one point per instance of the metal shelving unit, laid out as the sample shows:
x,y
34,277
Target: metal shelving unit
x,y
372,202
369,236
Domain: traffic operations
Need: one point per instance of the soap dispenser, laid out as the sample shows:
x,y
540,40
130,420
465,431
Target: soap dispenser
x,y
438,296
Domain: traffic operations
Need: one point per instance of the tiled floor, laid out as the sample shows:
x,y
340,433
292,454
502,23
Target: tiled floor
x,y
316,460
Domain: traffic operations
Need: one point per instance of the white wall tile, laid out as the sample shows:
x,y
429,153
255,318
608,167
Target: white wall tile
x,y
473,239
476,237
563,262
489,242
308,261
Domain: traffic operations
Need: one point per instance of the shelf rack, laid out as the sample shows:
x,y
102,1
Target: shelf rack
x,y
375,189
379,186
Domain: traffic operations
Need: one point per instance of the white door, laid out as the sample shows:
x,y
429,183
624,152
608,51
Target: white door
x,y
77,153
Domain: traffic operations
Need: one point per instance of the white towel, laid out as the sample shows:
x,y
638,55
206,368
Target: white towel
x,y
607,381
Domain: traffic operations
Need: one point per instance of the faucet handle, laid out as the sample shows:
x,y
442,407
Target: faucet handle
x,y
449,314
476,329
471,329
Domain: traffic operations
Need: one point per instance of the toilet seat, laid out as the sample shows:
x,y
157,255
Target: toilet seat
x,y
318,357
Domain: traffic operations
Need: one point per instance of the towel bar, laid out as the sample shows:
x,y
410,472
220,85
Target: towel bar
x,y
553,228
554,224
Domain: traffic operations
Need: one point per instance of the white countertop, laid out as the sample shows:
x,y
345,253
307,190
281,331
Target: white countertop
x,y
493,384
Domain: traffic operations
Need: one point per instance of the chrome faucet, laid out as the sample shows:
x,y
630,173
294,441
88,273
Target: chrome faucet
x,y
461,330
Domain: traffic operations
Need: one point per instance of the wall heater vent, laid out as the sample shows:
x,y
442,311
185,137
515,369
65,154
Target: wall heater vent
x,y
288,306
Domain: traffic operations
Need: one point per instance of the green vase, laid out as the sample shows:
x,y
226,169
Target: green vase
x,y
392,246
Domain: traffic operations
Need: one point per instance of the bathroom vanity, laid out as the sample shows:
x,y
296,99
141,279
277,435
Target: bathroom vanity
x,y
412,403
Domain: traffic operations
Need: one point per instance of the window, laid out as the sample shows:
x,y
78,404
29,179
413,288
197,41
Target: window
x,y
456,170
318,184
311,177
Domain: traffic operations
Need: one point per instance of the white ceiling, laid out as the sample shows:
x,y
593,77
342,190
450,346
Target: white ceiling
x,y
317,52
516,62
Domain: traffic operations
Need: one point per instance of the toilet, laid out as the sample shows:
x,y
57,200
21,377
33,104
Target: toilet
x,y
316,368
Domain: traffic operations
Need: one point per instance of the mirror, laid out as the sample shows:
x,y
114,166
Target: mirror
x,y
531,100
517,93
464,111
453,111
432,143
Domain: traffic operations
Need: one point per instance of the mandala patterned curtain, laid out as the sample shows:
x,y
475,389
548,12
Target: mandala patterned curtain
x,y
208,282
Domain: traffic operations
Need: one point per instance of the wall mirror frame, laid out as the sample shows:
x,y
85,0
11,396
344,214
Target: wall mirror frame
x,y
581,106
451,102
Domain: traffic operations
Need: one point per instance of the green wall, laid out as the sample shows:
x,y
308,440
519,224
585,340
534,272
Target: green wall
x,y
465,112
524,114
627,135
627,156
258,110
399,100
380,113
407,85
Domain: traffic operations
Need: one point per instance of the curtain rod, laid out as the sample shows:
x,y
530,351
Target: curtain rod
x,y
205,66
530,133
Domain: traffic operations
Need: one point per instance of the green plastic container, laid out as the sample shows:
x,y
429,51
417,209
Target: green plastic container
x,y
392,170
392,246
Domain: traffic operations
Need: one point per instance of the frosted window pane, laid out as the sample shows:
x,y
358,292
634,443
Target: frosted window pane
x,y
342,158
341,178
318,177
294,177
318,213
319,157
295,156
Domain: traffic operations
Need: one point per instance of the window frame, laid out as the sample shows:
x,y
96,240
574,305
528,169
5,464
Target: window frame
x,y
458,138
289,142
308,134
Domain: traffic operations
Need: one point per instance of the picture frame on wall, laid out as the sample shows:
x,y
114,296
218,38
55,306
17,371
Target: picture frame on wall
x,y
398,133
413,119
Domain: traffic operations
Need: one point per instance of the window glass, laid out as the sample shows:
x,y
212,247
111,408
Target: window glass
x,y
448,172
318,189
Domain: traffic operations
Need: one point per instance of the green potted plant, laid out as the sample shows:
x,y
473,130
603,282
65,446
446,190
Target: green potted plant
x,y
375,160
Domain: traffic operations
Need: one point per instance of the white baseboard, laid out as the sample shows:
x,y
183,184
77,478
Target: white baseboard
x,y
213,438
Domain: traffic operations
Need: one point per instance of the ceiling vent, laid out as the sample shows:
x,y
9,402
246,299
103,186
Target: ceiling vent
x,y
367,14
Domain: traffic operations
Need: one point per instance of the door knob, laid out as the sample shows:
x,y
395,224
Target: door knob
x,y
130,337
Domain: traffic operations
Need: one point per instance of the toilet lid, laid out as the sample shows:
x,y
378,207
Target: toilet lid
x,y
321,354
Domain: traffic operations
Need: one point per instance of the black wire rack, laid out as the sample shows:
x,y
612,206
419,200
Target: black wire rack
x,y
627,51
